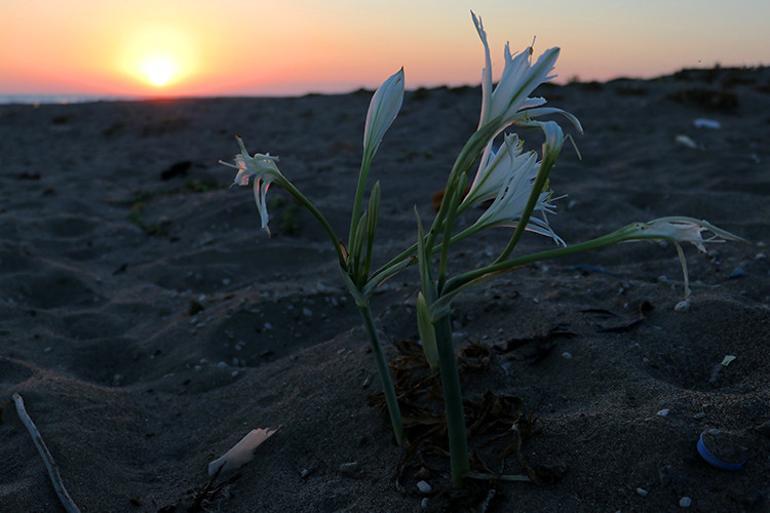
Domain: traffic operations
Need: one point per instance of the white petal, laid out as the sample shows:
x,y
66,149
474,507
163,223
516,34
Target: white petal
x,y
383,110
486,73
545,111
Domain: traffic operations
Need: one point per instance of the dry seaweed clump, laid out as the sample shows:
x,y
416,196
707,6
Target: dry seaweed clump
x,y
499,425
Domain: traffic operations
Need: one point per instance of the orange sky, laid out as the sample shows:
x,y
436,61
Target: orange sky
x,y
197,47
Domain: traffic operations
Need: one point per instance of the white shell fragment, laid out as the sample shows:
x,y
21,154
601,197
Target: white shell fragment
x,y
686,141
242,452
727,360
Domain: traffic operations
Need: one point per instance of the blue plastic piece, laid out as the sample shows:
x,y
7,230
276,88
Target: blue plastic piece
x,y
713,460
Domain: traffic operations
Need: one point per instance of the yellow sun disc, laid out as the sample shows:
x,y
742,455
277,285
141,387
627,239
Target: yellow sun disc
x,y
159,70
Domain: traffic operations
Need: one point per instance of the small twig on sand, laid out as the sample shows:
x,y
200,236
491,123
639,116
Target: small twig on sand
x,y
50,464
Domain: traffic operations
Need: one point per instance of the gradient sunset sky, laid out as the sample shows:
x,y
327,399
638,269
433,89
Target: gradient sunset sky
x,y
247,47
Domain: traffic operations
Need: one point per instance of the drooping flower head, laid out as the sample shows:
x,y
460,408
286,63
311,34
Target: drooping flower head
x,y
259,169
679,229
683,229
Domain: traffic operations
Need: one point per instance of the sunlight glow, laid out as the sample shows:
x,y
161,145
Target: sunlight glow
x,y
159,70
160,56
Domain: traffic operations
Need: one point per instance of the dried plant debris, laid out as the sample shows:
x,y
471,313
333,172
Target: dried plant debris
x,y
536,348
615,323
498,426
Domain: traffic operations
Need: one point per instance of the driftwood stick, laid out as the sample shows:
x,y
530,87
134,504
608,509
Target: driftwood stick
x,y
50,464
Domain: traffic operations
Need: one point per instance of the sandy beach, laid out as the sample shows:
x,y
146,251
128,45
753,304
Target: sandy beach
x,y
149,324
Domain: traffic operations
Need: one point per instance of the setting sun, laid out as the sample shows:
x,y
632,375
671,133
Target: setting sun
x,y
160,56
159,70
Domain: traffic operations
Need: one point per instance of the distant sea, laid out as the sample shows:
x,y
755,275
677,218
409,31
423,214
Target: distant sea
x,y
60,99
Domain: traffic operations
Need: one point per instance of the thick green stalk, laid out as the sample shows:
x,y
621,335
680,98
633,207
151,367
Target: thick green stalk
x,y
453,401
508,265
335,240
387,383
465,159
537,188
454,202
363,175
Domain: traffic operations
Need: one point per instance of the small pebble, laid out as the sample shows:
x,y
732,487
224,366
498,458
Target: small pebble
x,y
307,312
664,412
267,326
566,355
760,256
221,365
642,492
424,503
424,487
225,281
685,502
738,272
682,306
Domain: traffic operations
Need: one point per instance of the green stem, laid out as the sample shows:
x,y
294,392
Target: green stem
x,y
363,175
508,265
387,383
521,225
446,241
396,261
465,159
453,401
335,240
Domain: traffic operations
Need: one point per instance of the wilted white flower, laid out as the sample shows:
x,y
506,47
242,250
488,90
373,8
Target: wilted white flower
x,y
383,110
509,102
261,170
683,229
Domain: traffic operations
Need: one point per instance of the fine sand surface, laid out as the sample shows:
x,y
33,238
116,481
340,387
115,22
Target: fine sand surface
x,y
149,324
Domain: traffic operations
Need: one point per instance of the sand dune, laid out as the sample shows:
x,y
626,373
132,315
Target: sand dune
x,y
149,324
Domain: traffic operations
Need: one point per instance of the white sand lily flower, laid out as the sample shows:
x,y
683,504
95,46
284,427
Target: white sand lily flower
x,y
679,229
495,169
511,180
259,169
684,229
512,197
510,102
383,109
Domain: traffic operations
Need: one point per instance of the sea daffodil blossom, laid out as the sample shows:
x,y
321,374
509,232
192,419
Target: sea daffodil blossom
x,y
495,169
508,206
259,169
684,229
520,78
515,178
679,229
